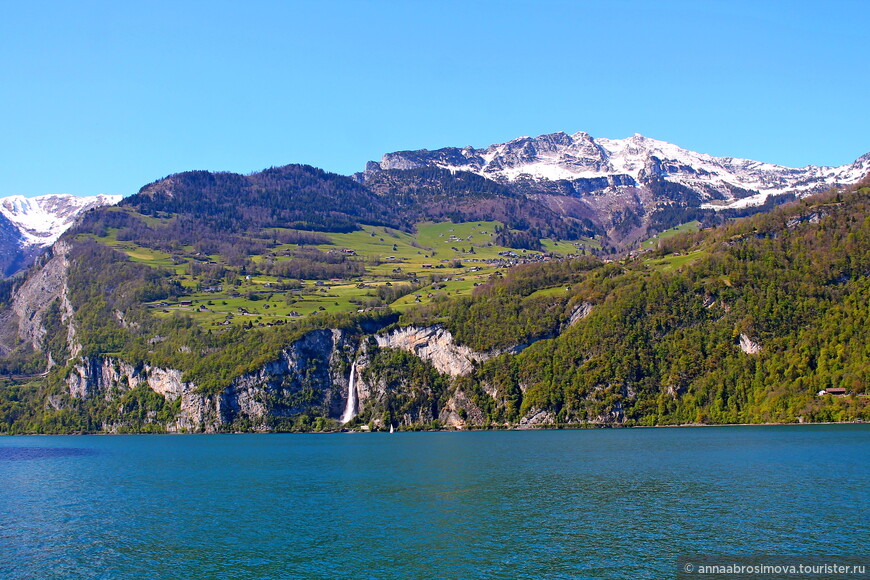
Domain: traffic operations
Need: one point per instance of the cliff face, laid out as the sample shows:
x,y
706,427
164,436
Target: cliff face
x,y
25,319
308,376
461,411
109,378
435,345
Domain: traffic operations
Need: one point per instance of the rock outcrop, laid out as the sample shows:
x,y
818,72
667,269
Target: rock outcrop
x,y
436,345
25,318
580,312
308,374
108,378
536,417
748,345
460,411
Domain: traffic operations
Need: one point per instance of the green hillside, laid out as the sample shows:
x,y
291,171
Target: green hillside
x,y
661,344
323,271
744,323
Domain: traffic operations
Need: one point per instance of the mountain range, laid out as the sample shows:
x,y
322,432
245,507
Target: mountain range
x,y
559,184
625,187
593,165
424,293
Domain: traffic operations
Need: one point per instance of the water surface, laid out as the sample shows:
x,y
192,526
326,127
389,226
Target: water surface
x,y
557,504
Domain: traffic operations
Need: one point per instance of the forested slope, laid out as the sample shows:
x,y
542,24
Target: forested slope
x,y
766,313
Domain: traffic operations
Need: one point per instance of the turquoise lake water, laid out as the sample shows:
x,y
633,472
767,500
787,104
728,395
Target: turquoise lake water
x,y
621,503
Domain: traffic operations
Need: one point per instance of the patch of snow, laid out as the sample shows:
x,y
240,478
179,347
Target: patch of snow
x,y
42,219
579,156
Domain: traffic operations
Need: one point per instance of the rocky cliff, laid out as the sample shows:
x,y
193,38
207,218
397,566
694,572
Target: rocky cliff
x,y
24,320
435,345
310,376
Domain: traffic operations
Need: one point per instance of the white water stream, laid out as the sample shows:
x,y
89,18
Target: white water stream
x,y
350,408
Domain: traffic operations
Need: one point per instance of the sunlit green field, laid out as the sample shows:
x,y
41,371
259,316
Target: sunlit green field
x,y
692,226
675,261
442,260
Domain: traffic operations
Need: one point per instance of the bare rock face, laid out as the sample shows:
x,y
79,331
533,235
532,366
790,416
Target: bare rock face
x,y
96,375
309,373
106,377
536,417
460,411
436,345
580,312
24,320
37,293
748,346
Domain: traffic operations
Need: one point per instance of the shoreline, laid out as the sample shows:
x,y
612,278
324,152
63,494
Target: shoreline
x,y
570,427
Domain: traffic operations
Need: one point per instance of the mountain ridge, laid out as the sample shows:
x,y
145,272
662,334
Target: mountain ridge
x,y
558,184
625,189
579,156
176,311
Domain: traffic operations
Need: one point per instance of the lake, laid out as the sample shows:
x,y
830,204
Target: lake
x,y
607,503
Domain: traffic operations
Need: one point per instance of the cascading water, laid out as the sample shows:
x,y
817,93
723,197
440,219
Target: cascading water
x,y
350,408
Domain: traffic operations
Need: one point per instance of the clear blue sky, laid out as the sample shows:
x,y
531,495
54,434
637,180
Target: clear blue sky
x,y
105,96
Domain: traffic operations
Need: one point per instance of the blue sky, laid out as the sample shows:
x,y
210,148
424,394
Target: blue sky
x,y
103,97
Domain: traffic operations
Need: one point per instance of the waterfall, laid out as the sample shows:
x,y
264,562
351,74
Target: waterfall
x,y
350,408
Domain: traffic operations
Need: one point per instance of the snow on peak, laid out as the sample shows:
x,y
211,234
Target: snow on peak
x,y
579,156
42,219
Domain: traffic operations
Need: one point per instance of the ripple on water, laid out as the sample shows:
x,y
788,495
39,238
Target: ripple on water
x,y
28,453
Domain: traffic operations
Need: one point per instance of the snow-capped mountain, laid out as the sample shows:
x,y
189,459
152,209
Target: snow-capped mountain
x,y
598,165
42,219
33,223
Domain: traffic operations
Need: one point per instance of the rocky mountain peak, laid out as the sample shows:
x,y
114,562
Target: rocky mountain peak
x,y
591,164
